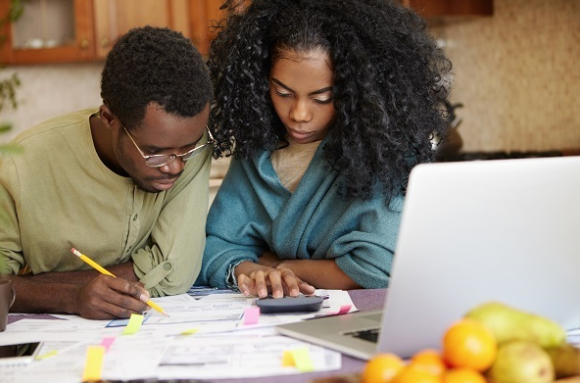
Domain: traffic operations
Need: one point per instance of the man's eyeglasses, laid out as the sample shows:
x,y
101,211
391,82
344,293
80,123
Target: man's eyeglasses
x,y
158,160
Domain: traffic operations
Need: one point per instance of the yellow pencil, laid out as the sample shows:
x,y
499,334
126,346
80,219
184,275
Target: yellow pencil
x,y
92,263
102,270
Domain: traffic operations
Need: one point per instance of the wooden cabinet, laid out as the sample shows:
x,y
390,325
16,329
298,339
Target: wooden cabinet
x,y
64,31
49,31
112,18
443,8
204,15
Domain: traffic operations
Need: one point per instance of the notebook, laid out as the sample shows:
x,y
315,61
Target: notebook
x,y
471,232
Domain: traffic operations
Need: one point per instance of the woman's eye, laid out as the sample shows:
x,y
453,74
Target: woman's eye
x,y
323,101
282,93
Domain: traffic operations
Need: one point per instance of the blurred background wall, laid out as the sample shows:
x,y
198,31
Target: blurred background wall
x,y
517,74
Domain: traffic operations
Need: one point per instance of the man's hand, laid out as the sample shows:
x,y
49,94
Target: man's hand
x,y
255,279
107,297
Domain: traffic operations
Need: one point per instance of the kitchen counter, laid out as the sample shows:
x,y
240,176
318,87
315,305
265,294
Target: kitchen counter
x,y
502,155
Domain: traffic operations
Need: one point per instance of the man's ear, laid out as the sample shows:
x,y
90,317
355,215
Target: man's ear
x,y
107,116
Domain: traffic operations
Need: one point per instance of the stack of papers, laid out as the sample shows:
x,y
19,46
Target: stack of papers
x,y
205,337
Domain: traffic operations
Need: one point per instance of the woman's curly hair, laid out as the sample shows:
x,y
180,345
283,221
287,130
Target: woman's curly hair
x,y
388,86
151,64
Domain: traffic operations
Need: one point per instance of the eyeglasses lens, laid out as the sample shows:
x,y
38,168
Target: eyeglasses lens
x,y
158,161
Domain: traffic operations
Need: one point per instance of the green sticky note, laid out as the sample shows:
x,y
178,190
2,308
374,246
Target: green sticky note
x,y
47,355
191,331
302,359
134,324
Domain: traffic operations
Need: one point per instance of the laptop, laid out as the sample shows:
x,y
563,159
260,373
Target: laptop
x,y
471,232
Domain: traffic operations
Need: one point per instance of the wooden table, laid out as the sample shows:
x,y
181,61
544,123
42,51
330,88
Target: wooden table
x,y
354,378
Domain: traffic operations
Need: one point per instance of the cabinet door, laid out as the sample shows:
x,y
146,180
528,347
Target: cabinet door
x,y
113,18
204,15
49,31
441,8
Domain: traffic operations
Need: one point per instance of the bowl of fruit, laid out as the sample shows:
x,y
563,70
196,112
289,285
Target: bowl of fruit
x,y
492,343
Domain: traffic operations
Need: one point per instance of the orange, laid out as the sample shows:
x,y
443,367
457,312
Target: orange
x,y
412,374
468,343
429,360
382,368
463,375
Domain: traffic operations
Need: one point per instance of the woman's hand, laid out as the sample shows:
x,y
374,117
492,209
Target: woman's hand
x,y
269,259
256,279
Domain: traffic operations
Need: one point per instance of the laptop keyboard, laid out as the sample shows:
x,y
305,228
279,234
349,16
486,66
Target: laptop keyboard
x,y
372,334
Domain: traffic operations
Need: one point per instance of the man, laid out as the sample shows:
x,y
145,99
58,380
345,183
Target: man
x,y
126,184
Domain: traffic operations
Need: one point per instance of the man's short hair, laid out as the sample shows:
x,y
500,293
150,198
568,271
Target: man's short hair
x,y
154,65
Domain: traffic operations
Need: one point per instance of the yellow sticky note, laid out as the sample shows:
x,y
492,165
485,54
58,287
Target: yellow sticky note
x,y
299,358
134,324
288,359
191,331
94,363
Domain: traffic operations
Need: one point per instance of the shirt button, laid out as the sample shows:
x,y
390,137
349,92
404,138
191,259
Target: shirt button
x,y
167,266
135,217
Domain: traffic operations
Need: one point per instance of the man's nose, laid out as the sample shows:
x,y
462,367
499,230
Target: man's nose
x,y
175,167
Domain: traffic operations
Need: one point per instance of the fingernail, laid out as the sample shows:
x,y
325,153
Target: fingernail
x,y
143,298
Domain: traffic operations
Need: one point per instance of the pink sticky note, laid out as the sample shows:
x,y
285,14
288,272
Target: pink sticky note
x,y
343,309
251,315
107,342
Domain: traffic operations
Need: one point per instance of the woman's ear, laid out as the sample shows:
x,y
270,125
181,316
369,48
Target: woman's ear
x,y
106,116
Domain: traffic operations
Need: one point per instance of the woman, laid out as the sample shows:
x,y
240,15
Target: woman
x,y
326,106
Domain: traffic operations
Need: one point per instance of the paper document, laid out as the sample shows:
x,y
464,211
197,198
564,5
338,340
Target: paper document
x,y
205,337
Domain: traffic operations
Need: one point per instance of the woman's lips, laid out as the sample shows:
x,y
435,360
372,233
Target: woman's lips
x,y
298,136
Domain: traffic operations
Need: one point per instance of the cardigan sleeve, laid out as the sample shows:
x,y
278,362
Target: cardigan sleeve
x,y
253,213
366,254
234,224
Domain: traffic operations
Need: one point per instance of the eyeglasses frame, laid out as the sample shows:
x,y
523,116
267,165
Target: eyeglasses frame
x,y
173,157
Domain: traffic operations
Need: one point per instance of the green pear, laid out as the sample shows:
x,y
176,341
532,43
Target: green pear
x,y
509,323
521,361
566,360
